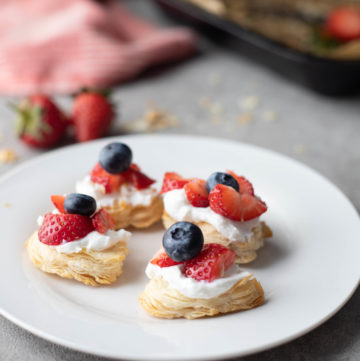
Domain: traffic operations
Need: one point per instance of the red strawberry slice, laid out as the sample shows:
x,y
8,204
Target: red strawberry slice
x,y
244,185
172,181
59,228
58,202
135,167
111,182
137,179
229,203
343,23
211,263
196,193
102,221
161,259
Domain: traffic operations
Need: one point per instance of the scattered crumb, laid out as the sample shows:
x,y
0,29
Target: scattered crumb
x,y
212,107
299,149
204,102
7,155
270,116
7,204
154,119
215,109
245,118
249,103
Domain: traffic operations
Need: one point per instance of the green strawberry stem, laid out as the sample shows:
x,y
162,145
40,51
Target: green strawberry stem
x,y
29,121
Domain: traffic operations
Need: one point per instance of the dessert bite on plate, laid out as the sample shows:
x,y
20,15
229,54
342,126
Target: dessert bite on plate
x,y
191,279
225,208
76,241
119,186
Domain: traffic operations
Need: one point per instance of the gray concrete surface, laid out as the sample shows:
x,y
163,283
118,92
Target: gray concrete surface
x,y
321,132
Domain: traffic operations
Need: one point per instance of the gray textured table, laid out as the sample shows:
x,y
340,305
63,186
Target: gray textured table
x,y
209,95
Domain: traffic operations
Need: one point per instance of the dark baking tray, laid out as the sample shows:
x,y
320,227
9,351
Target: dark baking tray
x,y
331,77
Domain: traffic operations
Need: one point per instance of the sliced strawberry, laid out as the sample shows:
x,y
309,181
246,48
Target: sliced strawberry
x,y
172,181
161,259
244,185
102,221
343,23
196,193
137,179
211,263
135,167
58,202
229,203
59,228
111,182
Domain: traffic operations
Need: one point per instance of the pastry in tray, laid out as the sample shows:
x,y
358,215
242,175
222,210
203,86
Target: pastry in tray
x,y
79,242
225,208
190,279
119,186
325,28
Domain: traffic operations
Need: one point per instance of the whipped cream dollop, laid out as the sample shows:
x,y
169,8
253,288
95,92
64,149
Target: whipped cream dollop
x,y
178,207
127,193
192,288
92,241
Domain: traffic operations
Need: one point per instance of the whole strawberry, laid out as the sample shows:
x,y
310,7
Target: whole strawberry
x,y
92,115
40,123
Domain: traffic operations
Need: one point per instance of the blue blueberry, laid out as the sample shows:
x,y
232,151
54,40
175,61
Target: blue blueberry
x,y
183,241
76,203
222,178
115,158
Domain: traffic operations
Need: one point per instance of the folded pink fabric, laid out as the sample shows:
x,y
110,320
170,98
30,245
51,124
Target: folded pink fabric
x,y
59,46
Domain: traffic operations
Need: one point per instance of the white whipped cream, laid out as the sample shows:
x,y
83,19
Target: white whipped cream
x,y
92,241
192,288
127,193
178,207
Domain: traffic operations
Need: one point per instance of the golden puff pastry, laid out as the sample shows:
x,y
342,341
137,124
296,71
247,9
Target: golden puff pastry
x,y
159,300
89,267
139,216
245,250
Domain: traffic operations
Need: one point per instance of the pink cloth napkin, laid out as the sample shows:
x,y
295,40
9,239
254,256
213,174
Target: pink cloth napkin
x,y
59,46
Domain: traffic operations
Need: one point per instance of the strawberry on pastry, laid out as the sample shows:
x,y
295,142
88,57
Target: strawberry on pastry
x,y
231,204
196,193
191,279
224,206
78,241
119,186
172,181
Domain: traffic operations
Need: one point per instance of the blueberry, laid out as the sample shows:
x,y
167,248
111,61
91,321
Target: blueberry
x,y
76,203
183,241
115,158
222,178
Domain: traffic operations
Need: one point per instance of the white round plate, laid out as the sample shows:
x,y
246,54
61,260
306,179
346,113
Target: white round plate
x,y
308,269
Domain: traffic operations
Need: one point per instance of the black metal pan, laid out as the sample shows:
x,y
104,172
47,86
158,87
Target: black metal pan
x,y
327,76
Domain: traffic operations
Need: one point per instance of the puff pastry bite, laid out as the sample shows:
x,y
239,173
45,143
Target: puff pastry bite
x,y
225,208
119,186
78,242
207,284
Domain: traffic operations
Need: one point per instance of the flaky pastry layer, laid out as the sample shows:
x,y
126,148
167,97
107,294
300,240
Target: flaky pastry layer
x,y
89,267
140,216
245,249
159,300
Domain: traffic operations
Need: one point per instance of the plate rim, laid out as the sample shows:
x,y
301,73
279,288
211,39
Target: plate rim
x,y
268,345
